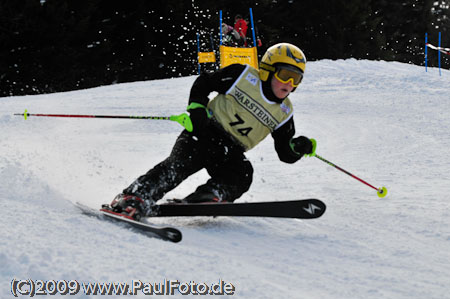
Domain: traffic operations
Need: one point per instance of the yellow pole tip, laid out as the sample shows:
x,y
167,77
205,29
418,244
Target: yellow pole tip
x,y
382,192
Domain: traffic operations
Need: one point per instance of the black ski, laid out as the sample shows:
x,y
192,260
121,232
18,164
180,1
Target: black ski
x,y
165,233
302,209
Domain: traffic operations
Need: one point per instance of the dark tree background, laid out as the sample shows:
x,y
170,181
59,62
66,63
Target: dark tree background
x,y
57,45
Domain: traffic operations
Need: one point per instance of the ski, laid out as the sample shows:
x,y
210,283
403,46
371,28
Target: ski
x,y
301,209
164,233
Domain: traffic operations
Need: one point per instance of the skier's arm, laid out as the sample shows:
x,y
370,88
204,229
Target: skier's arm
x,y
219,81
206,83
290,149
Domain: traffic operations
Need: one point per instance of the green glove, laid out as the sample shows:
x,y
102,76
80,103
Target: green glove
x,y
304,146
199,118
314,145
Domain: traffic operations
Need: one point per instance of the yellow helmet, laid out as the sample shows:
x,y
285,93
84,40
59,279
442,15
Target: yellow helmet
x,y
283,53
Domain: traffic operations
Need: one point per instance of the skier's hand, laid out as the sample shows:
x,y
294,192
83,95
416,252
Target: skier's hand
x,y
304,146
199,118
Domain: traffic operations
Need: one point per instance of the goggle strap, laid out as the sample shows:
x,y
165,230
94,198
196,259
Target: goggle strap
x,y
267,67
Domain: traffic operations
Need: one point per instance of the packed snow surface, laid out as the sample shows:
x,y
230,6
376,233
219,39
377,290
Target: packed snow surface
x,y
386,122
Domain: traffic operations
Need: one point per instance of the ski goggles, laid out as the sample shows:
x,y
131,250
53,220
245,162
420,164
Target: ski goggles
x,y
287,73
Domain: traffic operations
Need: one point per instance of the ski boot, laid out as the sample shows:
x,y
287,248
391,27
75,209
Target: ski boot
x,y
132,207
202,196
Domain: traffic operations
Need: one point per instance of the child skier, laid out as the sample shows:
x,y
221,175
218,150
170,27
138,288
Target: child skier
x,y
250,105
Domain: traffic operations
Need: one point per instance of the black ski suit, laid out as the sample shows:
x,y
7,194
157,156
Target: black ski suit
x,y
213,149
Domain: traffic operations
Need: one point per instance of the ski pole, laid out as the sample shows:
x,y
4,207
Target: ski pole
x,y
380,191
183,119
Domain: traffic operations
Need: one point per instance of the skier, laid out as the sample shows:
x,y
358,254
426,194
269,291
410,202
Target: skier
x,y
231,37
241,26
250,104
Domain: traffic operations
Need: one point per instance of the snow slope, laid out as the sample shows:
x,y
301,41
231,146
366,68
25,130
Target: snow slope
x,y
386,122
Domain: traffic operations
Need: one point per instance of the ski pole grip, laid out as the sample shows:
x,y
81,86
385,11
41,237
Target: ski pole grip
x,y
184,120
314,146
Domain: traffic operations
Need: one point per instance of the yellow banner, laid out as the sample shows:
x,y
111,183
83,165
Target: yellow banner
x,y
206,57
230,55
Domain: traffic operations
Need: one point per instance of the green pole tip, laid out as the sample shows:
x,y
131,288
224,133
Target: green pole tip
x,y
25,114
382,192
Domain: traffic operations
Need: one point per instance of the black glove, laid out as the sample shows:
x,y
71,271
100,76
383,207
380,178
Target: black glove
x,y
200,120
302,145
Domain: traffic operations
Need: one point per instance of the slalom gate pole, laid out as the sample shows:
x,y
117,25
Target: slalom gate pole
x,y
253,28
380,191
183,119
220,26
198,51
426,52
439,54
